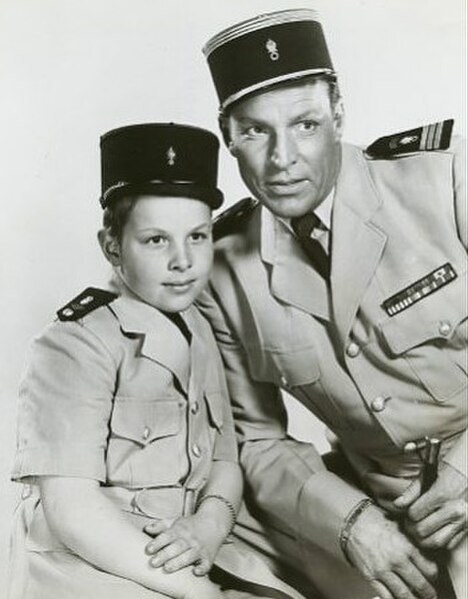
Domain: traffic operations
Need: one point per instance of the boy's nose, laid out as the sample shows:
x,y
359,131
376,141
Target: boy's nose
x,y
181,258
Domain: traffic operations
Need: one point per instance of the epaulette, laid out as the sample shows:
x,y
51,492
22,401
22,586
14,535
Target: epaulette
x,y
232,219
436,136
84,303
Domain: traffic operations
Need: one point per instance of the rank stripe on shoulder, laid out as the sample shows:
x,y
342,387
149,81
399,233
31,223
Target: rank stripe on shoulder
x,y
84,303
436,136
420,289
232,219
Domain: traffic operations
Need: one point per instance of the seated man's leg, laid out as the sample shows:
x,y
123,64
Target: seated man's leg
x,y
314,573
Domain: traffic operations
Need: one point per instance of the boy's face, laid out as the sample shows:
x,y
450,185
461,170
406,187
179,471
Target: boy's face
x,y
166,251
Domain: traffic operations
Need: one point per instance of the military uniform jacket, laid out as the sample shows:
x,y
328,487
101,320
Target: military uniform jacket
x,y
119,396
378,381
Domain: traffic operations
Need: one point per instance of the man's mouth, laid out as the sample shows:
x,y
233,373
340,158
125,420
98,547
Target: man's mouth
x,y
285,187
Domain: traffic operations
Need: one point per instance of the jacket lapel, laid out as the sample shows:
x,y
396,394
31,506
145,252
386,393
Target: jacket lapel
x,y
198,353
293,280
162,340
357,243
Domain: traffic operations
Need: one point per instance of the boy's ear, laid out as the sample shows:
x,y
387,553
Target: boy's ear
x,y
110,247
338,118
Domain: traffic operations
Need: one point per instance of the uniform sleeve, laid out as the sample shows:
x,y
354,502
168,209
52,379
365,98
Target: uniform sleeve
x,y
65,404
287,477
460,196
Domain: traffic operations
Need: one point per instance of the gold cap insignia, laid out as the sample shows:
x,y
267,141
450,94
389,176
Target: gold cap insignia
x,y
171,156
272,49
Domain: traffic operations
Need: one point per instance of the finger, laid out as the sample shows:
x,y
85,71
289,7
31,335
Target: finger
x,y
417,582
409,496
169,552
157,527
397,587
382,591
183,560
441,537
427,567
165,538
426,504
456,539
429,525
203,567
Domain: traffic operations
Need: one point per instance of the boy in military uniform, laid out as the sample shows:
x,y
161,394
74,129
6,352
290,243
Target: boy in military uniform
x,y
343,282
124,420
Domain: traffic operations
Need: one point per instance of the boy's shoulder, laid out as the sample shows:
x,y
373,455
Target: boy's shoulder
x,y
84,303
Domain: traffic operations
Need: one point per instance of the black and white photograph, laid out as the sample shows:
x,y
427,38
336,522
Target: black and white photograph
x,y
234,306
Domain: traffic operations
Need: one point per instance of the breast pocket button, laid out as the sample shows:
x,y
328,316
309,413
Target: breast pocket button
x,y
196,450
353,350
378,404
194,407
445,328
146,433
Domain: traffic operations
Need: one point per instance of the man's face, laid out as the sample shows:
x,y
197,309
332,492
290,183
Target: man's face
x,y
166,251
287,144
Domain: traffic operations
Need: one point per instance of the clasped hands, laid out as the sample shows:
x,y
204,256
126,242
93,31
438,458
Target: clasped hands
x,y
393,557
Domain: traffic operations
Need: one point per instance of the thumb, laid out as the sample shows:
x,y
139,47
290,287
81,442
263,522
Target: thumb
x,y
409,496
157,527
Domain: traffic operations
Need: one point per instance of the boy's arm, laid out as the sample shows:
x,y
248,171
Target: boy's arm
x,y
86,522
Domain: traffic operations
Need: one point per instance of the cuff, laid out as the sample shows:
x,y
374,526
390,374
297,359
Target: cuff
x,y
324,504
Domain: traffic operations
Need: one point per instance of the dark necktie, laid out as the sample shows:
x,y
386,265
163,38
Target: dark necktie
x,y
303,227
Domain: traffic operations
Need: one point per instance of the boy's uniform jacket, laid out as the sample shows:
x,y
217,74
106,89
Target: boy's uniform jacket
x,y
120,396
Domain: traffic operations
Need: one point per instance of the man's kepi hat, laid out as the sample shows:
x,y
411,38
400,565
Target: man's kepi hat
x,y
164,159
266,50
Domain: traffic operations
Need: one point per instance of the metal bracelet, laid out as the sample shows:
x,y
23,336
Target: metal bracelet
x,y
350,520
231,509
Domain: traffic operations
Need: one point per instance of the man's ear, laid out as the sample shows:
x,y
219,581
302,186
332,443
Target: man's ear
x,y
338,118
110,247
223,122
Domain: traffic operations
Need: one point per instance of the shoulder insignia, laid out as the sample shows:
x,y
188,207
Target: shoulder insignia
x,y
232,219
430,137
84,303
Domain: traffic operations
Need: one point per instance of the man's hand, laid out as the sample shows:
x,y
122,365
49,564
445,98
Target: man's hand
x,y
439,517
188,540
395,568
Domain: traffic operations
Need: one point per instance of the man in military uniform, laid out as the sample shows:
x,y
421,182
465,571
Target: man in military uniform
x,y
343,282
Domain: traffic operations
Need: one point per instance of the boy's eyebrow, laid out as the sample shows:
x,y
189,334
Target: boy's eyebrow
x,y
207,224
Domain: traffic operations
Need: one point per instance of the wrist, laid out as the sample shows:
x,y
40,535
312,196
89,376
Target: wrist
x,y
349,525
220,511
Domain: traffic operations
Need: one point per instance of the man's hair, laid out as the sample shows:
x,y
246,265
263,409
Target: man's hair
x,y
116,215
333,92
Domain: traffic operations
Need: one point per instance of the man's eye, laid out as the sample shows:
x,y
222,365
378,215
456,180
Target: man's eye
x,y
307,126
253,131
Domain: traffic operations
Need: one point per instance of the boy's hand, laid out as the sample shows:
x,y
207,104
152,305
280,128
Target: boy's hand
x,y
188,540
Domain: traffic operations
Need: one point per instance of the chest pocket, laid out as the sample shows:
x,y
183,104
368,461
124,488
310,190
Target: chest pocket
x,y
432,336
146,421
298,373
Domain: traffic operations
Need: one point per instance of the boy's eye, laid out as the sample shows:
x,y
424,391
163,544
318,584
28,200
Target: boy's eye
x,y
156,240
198,236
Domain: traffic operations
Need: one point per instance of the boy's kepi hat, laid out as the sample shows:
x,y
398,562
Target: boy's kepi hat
x,y
266,50
160,158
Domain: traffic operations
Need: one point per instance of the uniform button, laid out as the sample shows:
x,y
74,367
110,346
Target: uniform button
x,y
194,407
67,312
86,300
283,381
353,350
378,404
410,447
26,492
445,328
196,450
146,433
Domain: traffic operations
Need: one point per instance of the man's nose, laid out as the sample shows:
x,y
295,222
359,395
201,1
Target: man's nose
x,y
181,258
283,150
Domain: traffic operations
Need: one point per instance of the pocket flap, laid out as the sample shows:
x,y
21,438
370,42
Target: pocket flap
x,y
215,400
436,316
297,367
145,421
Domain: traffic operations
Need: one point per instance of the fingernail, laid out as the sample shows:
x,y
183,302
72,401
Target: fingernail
x,y
168,568
155,562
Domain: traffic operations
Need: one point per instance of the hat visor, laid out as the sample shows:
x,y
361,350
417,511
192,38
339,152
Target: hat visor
x,y
209,195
